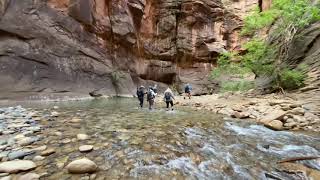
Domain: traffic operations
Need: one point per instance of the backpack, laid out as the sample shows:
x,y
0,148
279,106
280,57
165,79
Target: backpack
x,y
140,93
167,96
150,95
188,88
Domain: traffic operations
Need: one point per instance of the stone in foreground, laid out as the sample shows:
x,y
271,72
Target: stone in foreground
x,y
276,114
85,148
82,166
17,166
29,176
275,125
82,137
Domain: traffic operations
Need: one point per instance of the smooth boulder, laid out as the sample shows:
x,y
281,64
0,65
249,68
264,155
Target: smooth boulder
x,y
275,125
85,148
82,166
17,166
29,176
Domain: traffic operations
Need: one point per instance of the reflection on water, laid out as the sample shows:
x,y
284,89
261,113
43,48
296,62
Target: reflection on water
x,y
161,144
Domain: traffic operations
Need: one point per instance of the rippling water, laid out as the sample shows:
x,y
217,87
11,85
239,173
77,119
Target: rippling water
x,y
181,144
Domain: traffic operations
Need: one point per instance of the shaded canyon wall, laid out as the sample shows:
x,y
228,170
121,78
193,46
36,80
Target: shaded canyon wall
x,y
78,46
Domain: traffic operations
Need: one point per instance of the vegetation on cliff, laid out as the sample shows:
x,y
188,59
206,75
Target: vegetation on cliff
x,y
265,56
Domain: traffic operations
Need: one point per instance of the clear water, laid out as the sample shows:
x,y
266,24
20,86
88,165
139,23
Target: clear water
x,y
181,144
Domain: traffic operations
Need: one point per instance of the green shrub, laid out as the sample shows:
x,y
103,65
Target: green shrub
x,y
258,20
226,66
241,85
291,79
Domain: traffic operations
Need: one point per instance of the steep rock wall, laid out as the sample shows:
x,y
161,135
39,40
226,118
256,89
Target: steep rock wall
x,y
77,46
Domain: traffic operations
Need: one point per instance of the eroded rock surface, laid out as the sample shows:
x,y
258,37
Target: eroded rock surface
x,y
82,46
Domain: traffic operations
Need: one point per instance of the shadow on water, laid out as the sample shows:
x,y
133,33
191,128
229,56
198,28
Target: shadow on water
x,y
138,143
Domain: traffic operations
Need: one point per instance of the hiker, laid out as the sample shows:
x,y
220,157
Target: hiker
x,y
168,98
140,94
150,97
187,90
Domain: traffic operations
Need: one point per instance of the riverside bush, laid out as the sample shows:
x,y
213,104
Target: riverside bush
x,y
291,79
241,85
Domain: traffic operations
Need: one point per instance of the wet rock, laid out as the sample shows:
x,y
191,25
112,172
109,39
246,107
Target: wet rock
x,y
274,115
27,141
85,148
275,125
48,152
299,119
310,117
58,133
54,114
197,104
19,154
82,166
66,141
226,111
55,107
17,166
6,178
19,136
297,111
93,176
40,148
290,124
303,171
75,120
82,137
29,176
4,174
38,158
241,115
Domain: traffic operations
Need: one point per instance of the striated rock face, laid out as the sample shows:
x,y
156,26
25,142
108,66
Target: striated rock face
x,y
78,46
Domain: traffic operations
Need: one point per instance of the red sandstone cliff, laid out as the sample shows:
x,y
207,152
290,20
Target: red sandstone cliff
x,y
59,46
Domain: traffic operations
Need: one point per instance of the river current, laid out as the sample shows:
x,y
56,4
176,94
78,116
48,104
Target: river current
x,y
133,143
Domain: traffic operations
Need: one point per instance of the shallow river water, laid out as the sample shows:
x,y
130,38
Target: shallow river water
x,y
131,143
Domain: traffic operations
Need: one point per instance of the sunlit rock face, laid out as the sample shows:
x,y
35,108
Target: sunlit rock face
x,y
79,45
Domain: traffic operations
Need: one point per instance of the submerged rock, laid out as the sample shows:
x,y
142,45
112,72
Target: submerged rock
x,y
19,154
17,166
82,136
85,148
82,166
29,176
48,152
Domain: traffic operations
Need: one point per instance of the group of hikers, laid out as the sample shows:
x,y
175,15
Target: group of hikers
x,y
152,92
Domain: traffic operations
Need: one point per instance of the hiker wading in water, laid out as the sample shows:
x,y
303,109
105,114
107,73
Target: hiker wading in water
x,y
187,90
140,94
168,98
150,97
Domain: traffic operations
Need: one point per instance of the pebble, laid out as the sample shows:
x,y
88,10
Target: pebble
x,y
38,158
58,133
19,154
29,176
54,114
47,152
82,166
4,174
6,178
40,148
17,166
85,148
82,137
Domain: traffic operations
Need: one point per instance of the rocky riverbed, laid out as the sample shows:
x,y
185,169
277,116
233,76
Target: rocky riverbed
x,y
274,111
104,139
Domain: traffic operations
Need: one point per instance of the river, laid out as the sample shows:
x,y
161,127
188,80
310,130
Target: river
x,y
132,143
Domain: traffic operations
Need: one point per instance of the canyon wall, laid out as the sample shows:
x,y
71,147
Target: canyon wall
x,y
111,46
